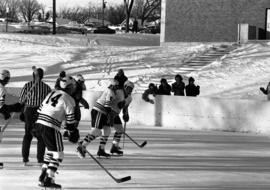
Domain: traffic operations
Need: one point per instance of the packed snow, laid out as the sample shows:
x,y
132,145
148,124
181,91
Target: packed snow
x,y
98,57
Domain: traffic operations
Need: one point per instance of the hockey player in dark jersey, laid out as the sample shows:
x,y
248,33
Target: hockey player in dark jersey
x,y
56,107
101,114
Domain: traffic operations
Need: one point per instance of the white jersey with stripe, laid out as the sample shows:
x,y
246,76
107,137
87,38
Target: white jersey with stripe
x,y
3,93
128,100
55,108
105,101
120,96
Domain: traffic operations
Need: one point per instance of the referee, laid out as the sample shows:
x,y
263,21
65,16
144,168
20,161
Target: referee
x,y
32,95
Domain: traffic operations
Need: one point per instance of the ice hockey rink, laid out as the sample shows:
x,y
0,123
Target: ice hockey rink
x,y
172,159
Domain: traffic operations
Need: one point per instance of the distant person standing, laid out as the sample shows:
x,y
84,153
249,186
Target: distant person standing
x,y
32,95
266,91
191,88
164,88
178,87
135,26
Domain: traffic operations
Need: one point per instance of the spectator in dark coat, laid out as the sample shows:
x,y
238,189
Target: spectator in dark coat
x,y
152,89
164,88
191,88
178,87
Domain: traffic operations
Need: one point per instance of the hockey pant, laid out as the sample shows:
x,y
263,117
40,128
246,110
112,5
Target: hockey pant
x,y
117,135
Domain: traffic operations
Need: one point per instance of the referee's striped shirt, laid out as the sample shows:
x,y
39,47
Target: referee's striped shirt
x,y
33,93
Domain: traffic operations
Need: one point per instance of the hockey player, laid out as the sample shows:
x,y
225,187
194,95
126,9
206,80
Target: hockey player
x,y
78,97
117,107
56,107
101,114
5,109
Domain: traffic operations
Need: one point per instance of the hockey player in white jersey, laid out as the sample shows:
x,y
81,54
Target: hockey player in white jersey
x,y
56,107
100,115
121,104
5,109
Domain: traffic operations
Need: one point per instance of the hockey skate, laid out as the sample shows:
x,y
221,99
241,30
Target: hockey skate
x,y
42,175
116,150
101,153
49,183
66,135
81,150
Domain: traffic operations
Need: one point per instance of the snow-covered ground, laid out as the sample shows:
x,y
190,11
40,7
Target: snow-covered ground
x,y
98,57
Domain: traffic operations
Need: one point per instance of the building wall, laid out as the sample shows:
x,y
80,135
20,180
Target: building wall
x,y
210,20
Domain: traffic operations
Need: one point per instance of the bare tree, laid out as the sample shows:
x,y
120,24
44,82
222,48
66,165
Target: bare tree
x,y
3,6
145,9
128,7
43,12
116,14
29,8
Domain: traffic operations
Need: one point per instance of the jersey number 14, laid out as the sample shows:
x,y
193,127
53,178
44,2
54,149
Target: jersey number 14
x,y
53,100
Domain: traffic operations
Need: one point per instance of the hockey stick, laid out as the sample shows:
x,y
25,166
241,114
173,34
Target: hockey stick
x,y
139,145
117,180
124,135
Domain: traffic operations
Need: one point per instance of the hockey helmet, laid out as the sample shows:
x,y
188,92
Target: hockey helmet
x,y
129,84
68,84
79,77
4,75
113,84
80,80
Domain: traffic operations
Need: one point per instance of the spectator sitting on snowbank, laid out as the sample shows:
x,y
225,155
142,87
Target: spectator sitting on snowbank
x,y
152,89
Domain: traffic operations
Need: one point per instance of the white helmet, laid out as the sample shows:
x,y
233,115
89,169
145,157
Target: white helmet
x,y
129,84
113,84
4,74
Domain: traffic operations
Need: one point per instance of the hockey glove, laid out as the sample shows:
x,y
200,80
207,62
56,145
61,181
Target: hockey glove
x,y
121,104
22,117
126,117
74,135
4,112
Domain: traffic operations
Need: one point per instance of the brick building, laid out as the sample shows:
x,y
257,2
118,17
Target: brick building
x,y
211,20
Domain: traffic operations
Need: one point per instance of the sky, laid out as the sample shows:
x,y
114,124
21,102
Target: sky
x,y
75,3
